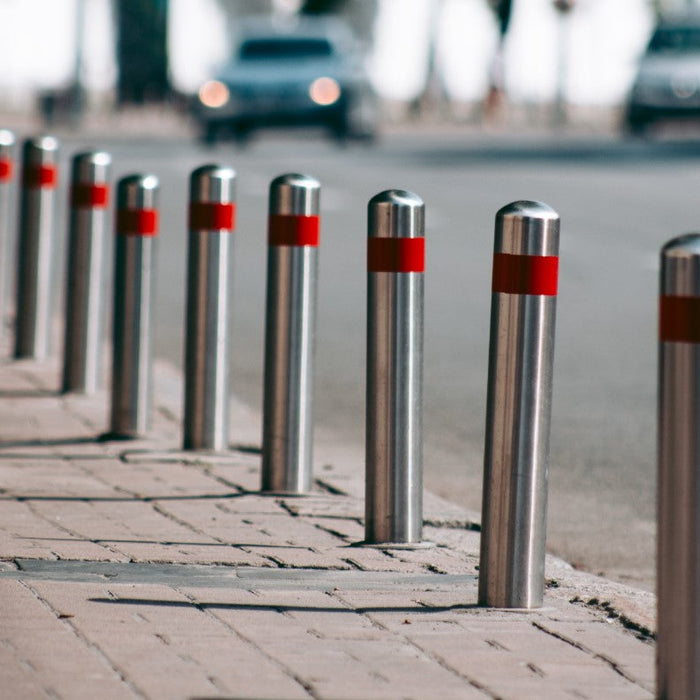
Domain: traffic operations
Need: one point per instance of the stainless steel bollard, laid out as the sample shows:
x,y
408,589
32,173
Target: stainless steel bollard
x,y
211,223
394,427
518,409
35,247
136,232
7,167
290,328
87,224
678,561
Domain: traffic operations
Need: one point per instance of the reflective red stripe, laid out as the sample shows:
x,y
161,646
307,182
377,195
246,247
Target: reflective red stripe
x,y
5,170
36,176
211,216
137,222
525,274
293,230
84,196
679,319
396,254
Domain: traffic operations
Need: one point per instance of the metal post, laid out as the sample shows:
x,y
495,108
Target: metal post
x,y
678,561
84,308
211,223
518,408
136,231
290,328
7,143
36,232
394,428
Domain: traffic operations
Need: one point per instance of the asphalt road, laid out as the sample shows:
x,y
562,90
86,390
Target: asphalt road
x,y
618,201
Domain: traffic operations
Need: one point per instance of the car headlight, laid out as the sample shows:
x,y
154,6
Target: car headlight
x,y
324,91
214,94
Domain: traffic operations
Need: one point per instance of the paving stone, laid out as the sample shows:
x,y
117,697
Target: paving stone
x,y
245,475
373,559
303,558
455,538
233,508
24,533
259,595
326,658
604,639
347,484
149,637
47,649
348,530
159,480
50,479
93,414
439,559
325,505
183,553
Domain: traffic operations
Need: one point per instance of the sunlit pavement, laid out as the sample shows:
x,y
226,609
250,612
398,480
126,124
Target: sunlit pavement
x,y
133,569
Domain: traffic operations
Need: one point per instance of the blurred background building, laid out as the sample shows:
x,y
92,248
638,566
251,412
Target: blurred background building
x,y
456,58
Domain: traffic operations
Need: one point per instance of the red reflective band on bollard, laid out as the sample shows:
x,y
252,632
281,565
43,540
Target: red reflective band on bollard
x,y
6,167
525,274
679,319
396,254
84,196
293,230
42,176
206,216
137,222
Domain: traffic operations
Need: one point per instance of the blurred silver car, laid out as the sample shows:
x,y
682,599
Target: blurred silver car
x,y
306,73
667,85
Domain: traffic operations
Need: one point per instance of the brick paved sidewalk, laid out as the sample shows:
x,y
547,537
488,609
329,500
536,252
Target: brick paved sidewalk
x,y
131,569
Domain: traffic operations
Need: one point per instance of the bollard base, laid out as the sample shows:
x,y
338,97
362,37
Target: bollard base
x,y
116,437
395,545
522,611
289,494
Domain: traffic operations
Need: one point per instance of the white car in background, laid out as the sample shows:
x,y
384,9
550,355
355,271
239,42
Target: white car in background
x,y
309,73
667,86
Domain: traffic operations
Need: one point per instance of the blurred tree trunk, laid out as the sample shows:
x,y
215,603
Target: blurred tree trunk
x,y
359,15
142,55
433,97
319,7
497,91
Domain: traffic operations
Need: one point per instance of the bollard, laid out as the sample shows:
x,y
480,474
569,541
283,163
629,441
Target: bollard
x,y
290,327
7,166
136,231
211,223
394,413
678,561
36,231
85,277
518,408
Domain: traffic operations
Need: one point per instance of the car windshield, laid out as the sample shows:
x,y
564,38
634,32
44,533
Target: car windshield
x,y
677,39
277,48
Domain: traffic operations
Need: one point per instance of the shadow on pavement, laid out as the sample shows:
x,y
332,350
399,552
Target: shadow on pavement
x,y
282,608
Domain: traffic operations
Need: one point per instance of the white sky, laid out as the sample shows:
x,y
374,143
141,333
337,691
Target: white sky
x,y
605,38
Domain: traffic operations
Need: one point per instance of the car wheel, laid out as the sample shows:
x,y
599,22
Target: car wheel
x,y
637,123
340,128
210,134
241,134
